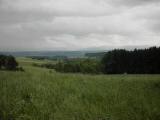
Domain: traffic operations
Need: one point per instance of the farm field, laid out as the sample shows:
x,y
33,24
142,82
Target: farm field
x,y
24,61
43,94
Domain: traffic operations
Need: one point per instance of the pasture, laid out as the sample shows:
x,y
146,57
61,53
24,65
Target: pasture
x,y
43,94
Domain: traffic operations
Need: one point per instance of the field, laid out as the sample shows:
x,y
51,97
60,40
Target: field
x,y
43,94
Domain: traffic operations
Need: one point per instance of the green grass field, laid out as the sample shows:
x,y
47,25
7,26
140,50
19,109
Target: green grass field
x,y
43,94
23,61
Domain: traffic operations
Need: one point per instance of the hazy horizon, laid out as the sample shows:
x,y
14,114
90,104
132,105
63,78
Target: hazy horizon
x,y
93,49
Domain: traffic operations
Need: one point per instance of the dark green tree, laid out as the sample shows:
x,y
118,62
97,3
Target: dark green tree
x,y
10,63
142,61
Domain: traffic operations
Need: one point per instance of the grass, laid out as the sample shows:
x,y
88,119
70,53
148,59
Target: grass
x,y
42,94
29,61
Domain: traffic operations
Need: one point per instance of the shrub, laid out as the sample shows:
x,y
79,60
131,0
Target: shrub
x,y
8,62
79,66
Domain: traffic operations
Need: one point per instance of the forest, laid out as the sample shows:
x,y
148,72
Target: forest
x,y
142,61
118,61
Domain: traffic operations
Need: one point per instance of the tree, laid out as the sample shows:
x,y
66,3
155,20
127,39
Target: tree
x,y
10,63
142,61
2,61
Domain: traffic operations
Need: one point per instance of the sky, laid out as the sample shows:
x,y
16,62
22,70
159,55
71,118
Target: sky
x,y
78,24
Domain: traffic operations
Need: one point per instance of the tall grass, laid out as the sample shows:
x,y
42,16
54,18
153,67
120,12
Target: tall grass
x,y
41,94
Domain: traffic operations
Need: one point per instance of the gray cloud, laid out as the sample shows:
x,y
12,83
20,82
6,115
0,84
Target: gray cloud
x,y
76,24
133,2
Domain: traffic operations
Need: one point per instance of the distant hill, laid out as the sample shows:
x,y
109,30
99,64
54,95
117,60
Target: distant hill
x,y
89,52
95,55
69,54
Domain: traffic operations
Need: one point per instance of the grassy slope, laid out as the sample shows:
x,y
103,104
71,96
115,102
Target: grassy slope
x,y
41,94
23,61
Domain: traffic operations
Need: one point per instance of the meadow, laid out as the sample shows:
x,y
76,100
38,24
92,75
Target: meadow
x,y
43,94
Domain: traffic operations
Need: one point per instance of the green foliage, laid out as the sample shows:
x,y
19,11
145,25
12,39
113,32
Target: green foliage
x,y
48,57
97,55
119,61
146,61
8,62
45,65
79,66
38,94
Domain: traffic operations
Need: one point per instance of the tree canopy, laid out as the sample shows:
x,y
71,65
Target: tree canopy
x,y
8,62
146,61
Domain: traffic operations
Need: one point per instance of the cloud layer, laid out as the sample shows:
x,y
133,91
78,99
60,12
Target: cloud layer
x,y
78,24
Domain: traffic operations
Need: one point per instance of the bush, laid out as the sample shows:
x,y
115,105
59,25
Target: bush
x,y
79,66
20,69
8,62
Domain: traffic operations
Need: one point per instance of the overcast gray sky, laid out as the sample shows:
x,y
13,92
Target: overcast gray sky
x,y
78,24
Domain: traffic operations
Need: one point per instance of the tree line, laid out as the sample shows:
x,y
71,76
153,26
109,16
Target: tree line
x,y
118,61
8,62
79,66
98,55
91,66
142,61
